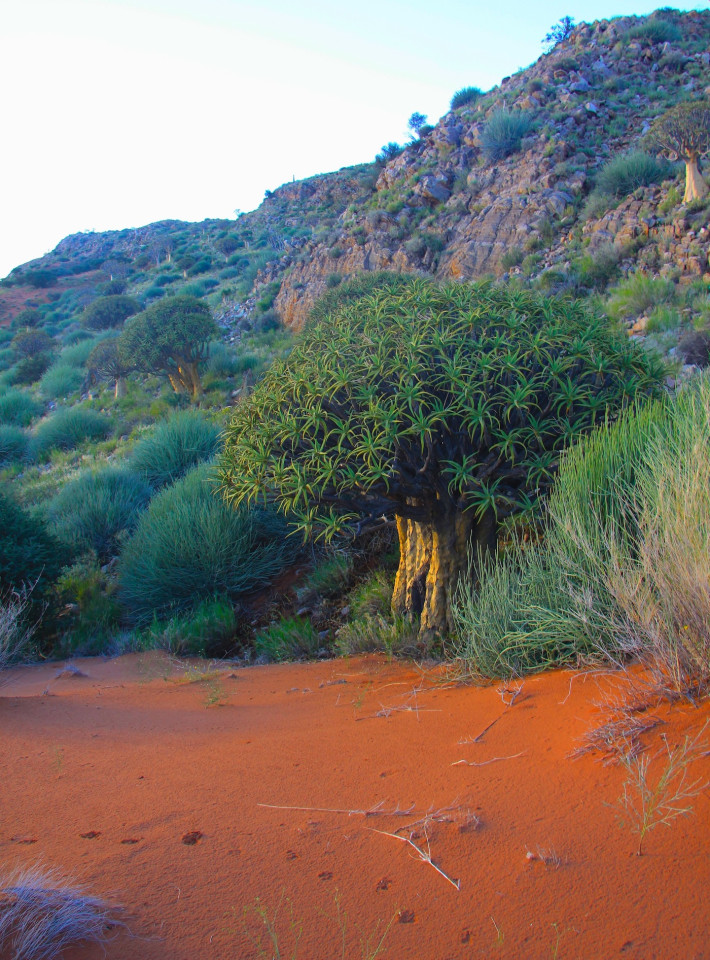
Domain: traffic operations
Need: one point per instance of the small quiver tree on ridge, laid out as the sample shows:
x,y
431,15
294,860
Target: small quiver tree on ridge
x,y
443,407
683,133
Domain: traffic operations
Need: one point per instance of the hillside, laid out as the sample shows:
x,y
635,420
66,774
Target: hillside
x,y
448,204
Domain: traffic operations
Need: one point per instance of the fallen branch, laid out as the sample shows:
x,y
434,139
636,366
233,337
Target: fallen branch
x,y
424,857
484,763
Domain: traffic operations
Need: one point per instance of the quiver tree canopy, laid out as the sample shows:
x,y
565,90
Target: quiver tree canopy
x,y
171,337
683,133
441,406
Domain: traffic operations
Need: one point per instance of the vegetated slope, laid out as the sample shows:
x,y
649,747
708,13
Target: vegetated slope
x,y
452,203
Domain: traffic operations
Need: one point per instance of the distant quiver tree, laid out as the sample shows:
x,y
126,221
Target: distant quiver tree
x,y
442,407
683,133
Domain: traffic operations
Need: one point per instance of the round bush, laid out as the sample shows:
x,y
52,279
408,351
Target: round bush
x,y
67,428
13,445
95,511
60,381
19,408
174,447
190,546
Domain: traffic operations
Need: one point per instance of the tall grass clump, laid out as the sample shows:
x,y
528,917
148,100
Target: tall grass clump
x,y
662,586
67,428
207,630
623,570
97,510
503,133
190,546
549,603
41,915
628,171
19,409
655,31
464,96
174,447
60,381
13,445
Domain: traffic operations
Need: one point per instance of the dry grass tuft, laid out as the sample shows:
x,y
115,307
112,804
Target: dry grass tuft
x,y
41,915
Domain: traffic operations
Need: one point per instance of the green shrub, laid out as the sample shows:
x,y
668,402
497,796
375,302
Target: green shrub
x,y
512,257
328,578
107,312
503,133
13,444
639,293
77,354
190,546
174,447
629,171
30,369
30,557
67,428
208,630
598,269
60,381
222,359
464,96
371,597
655,31
18,408
96,510
291,638
93,619
372,633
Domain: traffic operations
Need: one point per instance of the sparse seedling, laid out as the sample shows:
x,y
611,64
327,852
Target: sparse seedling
x,y
647,803
498,942
41,915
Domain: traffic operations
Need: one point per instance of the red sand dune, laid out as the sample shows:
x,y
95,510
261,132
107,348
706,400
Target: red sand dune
x,y
185,799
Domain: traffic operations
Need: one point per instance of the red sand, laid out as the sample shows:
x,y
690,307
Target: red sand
x,y
107,776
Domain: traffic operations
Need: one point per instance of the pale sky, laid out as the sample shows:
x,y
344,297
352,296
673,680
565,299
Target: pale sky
x,y
117,113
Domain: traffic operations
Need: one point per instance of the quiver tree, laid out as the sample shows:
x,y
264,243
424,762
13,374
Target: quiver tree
x,y
105,364
171,337
683,133
443,407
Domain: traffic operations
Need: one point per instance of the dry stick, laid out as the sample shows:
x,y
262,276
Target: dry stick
x,y
485,763
375,811
425,858
500,716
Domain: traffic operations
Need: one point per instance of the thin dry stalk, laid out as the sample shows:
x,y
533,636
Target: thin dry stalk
x,y
40,915
15,636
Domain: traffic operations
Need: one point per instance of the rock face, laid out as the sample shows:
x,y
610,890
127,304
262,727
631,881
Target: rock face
x,y
445,206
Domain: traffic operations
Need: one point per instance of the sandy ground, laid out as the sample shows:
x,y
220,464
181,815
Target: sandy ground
x,y
196,797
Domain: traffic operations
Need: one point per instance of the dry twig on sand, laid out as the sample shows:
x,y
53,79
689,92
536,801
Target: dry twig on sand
x,y
424,857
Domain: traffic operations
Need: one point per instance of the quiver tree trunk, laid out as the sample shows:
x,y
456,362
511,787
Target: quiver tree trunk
x,y
121,388
433,558
695,185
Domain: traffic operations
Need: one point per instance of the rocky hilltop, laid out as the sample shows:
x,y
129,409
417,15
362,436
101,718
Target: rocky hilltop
x,y
453,202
